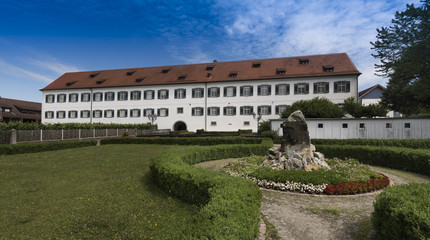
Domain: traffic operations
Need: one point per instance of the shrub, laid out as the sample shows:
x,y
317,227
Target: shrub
x,y
407,143
244,131
315,108
200,131
355,187
357,110
56,126
273,135
264,126
230,207
398,158
42,147
183,140
402,212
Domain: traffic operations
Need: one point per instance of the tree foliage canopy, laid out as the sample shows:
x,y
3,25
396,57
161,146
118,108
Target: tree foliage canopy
x,y
315,108
404,51
357,110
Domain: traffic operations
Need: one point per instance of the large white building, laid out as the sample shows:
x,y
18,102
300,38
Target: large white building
x,y
218,96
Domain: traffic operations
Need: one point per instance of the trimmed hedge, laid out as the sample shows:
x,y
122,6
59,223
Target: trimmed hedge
x,y
11,149
403,212
57,126
202,141
398,158
407,143
230,206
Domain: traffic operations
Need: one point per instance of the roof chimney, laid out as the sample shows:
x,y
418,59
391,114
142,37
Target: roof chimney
x,y
215,60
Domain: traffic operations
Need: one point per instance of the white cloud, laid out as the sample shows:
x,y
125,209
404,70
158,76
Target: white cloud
x,y
52,65
16,71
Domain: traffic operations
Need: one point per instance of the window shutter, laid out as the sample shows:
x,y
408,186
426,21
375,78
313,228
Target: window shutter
x,y
185,93
252,110
258,109
217,92
159,94
234,111
234,92
258,90
288,88
277,89
295,88
327,87
225,91
167,112
252,91
225,110
270,109
269,90
193,111
276,109
144,112
158,112
218,111
208,111
241,110
176,93
167,94
241,91
315,87
144,95
335,87
193,93
307,88
348,86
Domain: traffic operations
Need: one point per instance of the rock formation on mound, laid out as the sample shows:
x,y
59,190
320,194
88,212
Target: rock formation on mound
x,y
296,151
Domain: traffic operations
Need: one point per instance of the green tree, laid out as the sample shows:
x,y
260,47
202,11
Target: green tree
x,y
357,110
264,126
404,49
315,108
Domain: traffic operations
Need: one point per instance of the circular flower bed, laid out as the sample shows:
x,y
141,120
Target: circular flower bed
x,y
345,177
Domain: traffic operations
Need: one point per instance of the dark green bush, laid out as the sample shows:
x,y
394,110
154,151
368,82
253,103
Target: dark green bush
x,y
244,131
399,158
230,206
200,131
403,212
264,126
42,147
183,140
273,135
407,143
56,126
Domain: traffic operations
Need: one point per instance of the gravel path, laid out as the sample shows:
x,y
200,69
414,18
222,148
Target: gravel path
x,y
303,216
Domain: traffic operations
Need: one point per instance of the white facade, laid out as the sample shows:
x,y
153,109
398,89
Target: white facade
x,y
376,128
53,112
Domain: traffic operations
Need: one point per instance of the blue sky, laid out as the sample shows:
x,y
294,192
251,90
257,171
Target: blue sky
x,y
41,40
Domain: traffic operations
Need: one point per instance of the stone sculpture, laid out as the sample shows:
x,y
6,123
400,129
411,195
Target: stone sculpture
x,y
296,151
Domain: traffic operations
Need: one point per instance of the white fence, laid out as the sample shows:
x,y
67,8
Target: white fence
x,y
375,128
22,136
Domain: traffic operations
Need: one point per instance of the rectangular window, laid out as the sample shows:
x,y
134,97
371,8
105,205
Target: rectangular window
x,y
97,113
73,114
109,113
246,91
163,94
229,91
265,110
85,114
388,125
213,92
149,94
342,86
344,125
304,61
163,112
180,93
73,97
197,111
61,114
280,72
229,111
301,88
122,113
61,98
280,109
246,123
320,125
180,110
97,97
122,96
198,92
50,98
264,90
407,125
282,89
213,111
110,96
246,110
85,97
135,95
362,125
148,111
321,87
213,123
134,113
256,64
49,114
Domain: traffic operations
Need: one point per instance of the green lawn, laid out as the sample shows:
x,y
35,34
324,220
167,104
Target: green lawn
x,y
84,193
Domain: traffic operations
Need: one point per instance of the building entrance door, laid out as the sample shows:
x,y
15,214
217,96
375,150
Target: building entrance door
x,y
179,126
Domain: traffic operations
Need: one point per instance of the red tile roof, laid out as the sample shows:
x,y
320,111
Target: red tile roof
x,y
197,73
19,109
368,90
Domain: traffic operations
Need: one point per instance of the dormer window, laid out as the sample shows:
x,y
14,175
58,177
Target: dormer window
x,y
139,79
100,81
256,64
129,73
208,75
328,69
280,71
304,61
233,74
182,77
93,75
166,70
70,83
209,68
